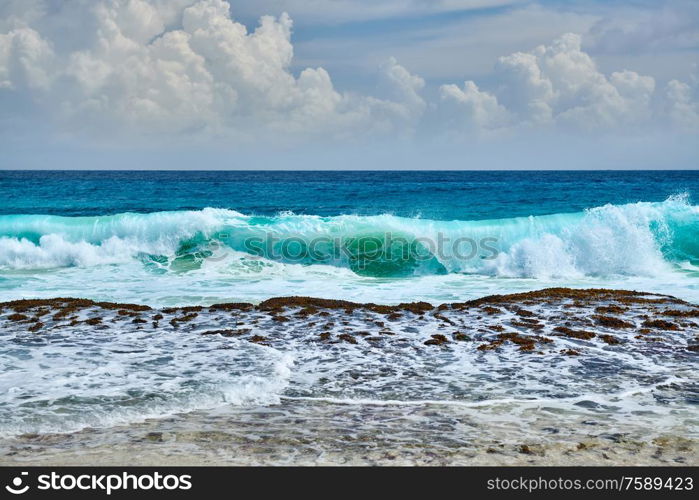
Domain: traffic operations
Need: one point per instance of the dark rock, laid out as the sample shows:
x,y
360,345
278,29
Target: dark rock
x,y
348,338
609,339
611,322
661,324
36,327
437,339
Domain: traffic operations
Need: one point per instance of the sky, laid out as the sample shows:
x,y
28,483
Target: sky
x,y
349,84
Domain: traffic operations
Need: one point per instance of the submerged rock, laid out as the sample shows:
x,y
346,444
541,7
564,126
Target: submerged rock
x,y
555,321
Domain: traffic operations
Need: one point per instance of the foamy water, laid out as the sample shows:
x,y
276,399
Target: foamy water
x,y
97,368
213,255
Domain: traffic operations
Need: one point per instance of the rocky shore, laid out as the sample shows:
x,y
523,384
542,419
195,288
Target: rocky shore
x,y
519,355
531,322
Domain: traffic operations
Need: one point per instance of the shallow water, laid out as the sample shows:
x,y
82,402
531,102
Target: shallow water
x,y
316,432
95,367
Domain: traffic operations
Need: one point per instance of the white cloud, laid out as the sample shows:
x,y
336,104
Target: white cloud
x,y
450,48
559,86
185,69
400,86
25,60
682,104
470,109
211,76
528,92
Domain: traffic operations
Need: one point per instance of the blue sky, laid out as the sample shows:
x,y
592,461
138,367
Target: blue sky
x,y
348,84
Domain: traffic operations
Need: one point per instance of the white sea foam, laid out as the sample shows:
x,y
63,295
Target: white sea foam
x,y
201,256
65,382
69,376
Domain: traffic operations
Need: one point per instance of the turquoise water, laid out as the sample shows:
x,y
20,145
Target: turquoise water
x,y
186,238
167,238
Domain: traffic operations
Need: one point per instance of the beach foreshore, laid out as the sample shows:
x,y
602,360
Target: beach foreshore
x,y
290,433
553,377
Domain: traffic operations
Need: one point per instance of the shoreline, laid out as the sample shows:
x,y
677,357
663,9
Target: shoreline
x,y
544,294
359,415
226,437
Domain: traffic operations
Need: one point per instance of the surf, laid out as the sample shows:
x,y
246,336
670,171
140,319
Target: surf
x,y
638,239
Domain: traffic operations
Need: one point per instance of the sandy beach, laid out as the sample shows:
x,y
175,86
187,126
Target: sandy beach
x,y
327,434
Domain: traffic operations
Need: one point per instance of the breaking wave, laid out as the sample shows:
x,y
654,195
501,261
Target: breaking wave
x,y
638,239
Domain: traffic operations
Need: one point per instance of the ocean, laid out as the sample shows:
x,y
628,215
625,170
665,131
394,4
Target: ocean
x,y
342,382
186,238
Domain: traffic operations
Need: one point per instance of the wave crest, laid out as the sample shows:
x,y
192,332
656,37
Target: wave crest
x,y
639,239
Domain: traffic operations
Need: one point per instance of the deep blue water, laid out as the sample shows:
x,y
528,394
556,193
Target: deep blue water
x,y
446,195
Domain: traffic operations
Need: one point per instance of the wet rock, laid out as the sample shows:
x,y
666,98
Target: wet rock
x,y
232,306
612,322
530,449
525,343
536,326
227,332
491,330
490,346
36,327
570,352
613,309
678,313
524,313
154,437
69,303
646,338
186,317
437,339
183,319
346,337
444,318
307,311
491,310
661,324
576,334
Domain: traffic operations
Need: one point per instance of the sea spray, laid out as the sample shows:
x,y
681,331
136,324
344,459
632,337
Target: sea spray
x,y
640,239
